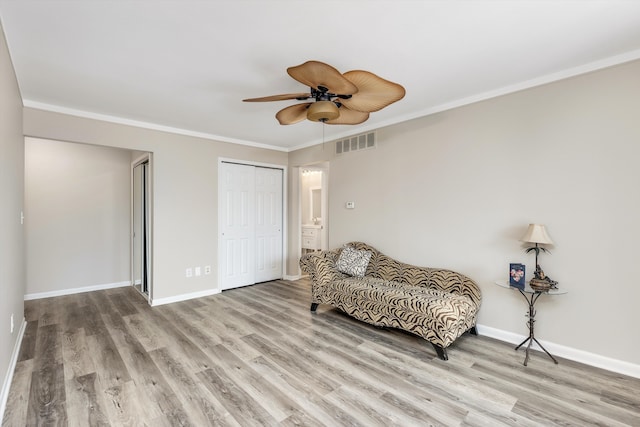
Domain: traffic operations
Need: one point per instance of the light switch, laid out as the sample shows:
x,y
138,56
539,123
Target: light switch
x,y
350,205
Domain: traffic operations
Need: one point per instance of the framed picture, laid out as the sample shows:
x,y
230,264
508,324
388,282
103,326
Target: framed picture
x,y
516,275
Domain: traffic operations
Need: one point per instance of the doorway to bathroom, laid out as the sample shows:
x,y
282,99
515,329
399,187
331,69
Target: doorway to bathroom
x,y
314,208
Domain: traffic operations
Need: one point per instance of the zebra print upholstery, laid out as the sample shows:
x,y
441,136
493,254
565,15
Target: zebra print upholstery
x,y
438,305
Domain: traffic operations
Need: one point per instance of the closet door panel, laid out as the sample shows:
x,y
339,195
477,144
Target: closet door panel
x,y
237,233
268,224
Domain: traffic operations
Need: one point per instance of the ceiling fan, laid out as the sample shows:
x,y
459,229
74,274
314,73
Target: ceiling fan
x,y
338,99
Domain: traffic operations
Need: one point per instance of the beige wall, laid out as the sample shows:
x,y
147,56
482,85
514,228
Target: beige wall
x,y
185,181
457,190
77,206
12,276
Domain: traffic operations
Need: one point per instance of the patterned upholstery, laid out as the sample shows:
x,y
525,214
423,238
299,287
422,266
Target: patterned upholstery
x,y
438,305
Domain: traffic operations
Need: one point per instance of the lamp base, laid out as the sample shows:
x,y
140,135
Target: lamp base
x,y
540,285
542,282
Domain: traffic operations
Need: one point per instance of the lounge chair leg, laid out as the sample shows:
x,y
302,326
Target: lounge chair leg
x,y
442,352
473,331
314,305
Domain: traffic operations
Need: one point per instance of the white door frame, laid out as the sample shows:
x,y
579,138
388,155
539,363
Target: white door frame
x,y
284,210
325,209
146,157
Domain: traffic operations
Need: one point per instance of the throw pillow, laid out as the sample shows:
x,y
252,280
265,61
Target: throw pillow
x,y
353,262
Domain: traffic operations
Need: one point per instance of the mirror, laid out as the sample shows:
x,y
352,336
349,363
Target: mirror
x,y
140,228
316,205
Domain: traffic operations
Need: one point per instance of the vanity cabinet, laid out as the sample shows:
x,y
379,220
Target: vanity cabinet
x,y
311,237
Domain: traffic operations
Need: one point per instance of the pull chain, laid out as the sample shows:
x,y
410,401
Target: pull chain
x,y
323,125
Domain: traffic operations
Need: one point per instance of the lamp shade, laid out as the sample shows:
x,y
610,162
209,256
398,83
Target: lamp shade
x,y
536,233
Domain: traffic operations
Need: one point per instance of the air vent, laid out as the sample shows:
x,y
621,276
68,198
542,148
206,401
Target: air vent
x,y
356,143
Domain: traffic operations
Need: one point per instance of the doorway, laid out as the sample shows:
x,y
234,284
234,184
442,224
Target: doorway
x,y
250,203
314,209
141,237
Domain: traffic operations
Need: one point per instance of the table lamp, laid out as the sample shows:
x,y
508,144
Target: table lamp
x,y
537,233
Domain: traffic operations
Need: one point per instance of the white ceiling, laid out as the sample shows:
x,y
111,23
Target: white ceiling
x,y
186,65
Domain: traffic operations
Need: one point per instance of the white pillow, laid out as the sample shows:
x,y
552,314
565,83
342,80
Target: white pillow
x,y
353,262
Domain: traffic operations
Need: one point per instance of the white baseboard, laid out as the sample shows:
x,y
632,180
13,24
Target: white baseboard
x,y
6,385
183,297
292,278
581,356
76,290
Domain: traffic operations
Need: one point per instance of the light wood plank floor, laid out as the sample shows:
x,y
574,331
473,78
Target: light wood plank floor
x,y
256,356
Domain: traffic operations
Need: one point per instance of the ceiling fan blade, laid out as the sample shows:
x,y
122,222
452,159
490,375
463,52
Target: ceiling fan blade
x,y
293,114
349,117
374,93
284,97
317,74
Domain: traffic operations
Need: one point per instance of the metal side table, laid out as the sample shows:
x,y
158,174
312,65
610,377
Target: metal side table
x,y
531,296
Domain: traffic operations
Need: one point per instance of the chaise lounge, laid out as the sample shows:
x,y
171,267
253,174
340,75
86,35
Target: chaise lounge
x,y
438,305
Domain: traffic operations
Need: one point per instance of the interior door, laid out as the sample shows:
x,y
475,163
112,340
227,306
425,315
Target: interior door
x,y
237,225
268,194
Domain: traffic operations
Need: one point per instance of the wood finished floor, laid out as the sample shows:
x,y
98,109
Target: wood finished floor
x,y
256,356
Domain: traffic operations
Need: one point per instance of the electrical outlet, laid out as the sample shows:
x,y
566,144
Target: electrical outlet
x,y
12,325
188,272
198,271
207,269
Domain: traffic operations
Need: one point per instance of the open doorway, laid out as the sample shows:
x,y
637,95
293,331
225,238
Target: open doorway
x,y
314,209
77,231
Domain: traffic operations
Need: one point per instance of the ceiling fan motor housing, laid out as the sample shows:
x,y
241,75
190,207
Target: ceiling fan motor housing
x,y
321,111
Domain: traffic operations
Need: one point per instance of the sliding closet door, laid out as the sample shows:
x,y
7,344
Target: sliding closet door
x,y
268,224
250,209
141,226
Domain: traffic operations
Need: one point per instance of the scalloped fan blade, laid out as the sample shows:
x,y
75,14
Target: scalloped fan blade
x,y
284,97
349,117
315,74
374,93
293,114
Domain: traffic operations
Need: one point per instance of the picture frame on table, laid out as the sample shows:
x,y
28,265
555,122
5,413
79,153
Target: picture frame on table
x,y
517,275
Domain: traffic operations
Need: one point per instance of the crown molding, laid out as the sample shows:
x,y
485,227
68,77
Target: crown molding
x,y
144,125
